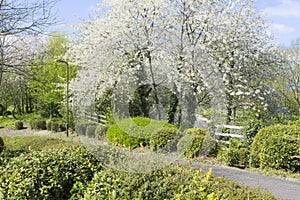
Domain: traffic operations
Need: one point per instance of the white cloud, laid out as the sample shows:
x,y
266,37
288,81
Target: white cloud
x,y
285,8
282,28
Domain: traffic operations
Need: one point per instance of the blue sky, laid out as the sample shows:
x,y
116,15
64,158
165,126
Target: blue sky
x,y
284,15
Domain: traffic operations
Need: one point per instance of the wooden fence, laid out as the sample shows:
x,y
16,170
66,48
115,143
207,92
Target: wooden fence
x,y
93,117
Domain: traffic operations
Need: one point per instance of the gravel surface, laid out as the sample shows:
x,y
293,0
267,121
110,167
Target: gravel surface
x,y
279,187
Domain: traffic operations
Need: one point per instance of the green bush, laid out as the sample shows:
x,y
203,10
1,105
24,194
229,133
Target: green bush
x,y
38,124
47,174
56,125
251,129
277,147
237,154
18,125
190,144
100,131
133,132
2,145
164,136
80,127
90,131
172,182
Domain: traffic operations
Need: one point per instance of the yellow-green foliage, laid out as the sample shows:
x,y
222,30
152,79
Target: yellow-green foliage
x,y
277,147
190,144
133,132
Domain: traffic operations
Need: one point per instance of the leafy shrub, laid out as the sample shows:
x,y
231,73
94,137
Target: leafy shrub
x,y
276,147
190,144
164,136
90,130
56,125
171,182
2,146
18,125
237,154
38,124
80,127
251,129
46,174
132,132
100,131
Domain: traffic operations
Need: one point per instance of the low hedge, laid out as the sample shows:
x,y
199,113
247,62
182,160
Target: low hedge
x,y
56,125
18,125
101,131
38,124
237,153
190,144
47,174
81,127
161,138
133,132
277,147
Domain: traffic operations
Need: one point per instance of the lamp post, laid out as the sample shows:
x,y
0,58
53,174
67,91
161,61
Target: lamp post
x,y
67,94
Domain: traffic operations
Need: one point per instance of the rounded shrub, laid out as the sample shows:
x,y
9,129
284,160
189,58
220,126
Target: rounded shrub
x,y
47,174
2,146
56,125
38,124
90,131
133,132
80,127
100,131
190,144
237,154
276,147
18,125
164,136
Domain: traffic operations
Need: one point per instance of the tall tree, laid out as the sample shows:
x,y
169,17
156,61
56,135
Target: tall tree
x,y
210,48
18,19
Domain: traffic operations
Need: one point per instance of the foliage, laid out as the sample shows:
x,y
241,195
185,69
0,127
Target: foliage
x,y
276,147
46,174
161,138
90,130
133,132
38,124
237,154
251,129
2,145
190,144
81,127
100,131
19,125
56,125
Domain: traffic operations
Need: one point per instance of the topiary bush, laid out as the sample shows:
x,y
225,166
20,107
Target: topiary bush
x,y
56,125
47,174
38,124
2,146
133,132
276,147
164,136
237,153
190,144
18,125
101,131
90,130
80,127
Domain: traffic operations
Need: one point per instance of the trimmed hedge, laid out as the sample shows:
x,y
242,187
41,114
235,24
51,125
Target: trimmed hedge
x,y
38,124
277,147
164,136
237,154
134,132
90,130
56,125
190,144
47,174
18,125
81,127
100,131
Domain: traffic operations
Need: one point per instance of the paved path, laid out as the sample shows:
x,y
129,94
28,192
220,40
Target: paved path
x,y
281,188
